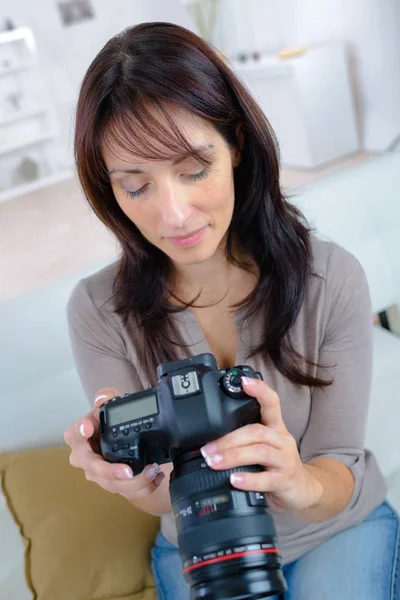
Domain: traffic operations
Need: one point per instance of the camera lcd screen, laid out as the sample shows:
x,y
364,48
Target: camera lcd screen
x,y
130,411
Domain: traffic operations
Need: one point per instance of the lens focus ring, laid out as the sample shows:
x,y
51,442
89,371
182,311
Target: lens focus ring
x,y
204,480
226,530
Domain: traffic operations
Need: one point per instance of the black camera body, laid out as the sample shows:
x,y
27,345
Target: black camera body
x,y
226,536
193,403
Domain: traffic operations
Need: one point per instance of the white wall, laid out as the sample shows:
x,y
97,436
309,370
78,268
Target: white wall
x,y
372,30
246,25
66,52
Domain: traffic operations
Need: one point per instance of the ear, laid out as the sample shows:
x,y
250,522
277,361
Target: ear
x,y
237,150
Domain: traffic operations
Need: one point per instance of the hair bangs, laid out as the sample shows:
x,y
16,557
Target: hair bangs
x,y
148,134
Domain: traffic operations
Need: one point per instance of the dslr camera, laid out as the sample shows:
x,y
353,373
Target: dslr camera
x,y
226,537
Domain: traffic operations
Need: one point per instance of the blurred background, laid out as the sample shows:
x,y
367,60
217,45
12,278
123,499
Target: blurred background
x,y
327,75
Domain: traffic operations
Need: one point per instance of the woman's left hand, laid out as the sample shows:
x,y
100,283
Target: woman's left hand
x,y
289,485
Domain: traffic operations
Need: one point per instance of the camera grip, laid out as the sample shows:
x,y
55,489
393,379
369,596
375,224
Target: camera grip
x,y
136,456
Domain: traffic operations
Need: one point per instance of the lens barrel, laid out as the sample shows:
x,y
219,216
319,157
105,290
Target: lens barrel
x,y
226,537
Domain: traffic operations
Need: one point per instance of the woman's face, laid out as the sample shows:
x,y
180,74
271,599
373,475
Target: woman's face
x,y
178,205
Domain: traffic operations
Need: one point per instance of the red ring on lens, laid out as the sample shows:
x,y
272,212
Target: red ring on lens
x,y
230,557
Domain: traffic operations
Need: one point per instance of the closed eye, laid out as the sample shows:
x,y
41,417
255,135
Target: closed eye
x,y
194,177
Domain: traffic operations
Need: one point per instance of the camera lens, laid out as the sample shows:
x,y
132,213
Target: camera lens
x,y
226,537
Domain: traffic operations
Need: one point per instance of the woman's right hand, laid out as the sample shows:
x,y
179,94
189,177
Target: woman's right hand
x,y
83,439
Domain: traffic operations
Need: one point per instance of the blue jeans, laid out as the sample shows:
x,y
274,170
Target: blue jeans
x,y
359,563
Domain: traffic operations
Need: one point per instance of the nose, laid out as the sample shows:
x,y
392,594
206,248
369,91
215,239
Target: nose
x,y
174,207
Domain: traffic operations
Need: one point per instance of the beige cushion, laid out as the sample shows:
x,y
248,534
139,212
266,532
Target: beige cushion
x,y
82,543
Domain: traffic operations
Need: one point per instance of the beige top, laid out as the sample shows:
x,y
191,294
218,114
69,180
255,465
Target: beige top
x,y
334,327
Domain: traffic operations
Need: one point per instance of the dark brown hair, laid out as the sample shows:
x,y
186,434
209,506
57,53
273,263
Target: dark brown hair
x,y
153,65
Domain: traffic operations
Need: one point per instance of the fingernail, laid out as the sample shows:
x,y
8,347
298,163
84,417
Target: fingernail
x,y
159,478
125,473
82,430
215,459
234,478
153,471
247,380
208,449
100,397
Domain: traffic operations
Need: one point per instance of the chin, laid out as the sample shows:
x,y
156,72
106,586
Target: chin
x,y
192,256
200,253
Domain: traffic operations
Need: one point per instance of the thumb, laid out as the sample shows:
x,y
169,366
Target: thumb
x,y
92,419
106,393
90,427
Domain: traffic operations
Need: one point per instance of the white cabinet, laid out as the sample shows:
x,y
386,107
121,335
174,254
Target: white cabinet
x,y
308,101
28,120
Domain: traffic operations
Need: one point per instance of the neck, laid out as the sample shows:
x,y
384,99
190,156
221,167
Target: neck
x,y
214,280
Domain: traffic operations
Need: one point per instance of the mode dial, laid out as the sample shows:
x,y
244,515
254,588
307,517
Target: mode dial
x,y
232,382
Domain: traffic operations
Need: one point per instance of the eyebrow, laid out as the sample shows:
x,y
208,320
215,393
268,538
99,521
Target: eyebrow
x,y
202,148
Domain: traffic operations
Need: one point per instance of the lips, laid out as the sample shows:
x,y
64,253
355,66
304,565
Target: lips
x,y
189,240
188,235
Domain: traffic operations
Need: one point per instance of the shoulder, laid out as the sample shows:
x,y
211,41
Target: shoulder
x,y
332,262
93,294
340,284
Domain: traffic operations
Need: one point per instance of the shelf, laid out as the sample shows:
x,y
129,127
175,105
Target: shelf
x,y
268,66
14,147
308,100
16,36
33,186
23,115
14,70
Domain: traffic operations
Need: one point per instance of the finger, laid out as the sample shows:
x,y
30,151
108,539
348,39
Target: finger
x,y
271,413
118,471
104,394
85,428
124,489
77,434
146,489
268,481
129,489
256,454
245,436
91,432
97,469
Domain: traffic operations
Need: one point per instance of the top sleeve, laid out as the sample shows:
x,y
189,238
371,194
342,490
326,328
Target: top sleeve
x,y
98,348
339,411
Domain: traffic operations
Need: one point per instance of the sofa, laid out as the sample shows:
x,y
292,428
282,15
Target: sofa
x,y
62,537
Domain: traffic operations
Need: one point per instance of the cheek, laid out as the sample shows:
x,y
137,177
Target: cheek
x,y
221,200
218,195
140,214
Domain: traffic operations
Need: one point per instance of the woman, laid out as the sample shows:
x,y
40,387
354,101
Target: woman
x,y
180,163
